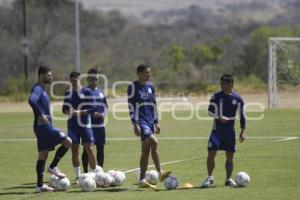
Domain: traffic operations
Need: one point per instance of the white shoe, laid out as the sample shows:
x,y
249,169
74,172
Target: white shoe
x,y
56,172
230,182
208,182
44,188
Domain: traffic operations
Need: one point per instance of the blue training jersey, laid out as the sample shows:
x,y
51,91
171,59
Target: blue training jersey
x,y
222,104
40,103
79,100
142,103
101,105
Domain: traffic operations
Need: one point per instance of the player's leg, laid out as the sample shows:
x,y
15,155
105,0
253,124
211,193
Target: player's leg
x,y
40,168
100,154
85,161
155,157
59,154
210,164
91,157
75,159
229,169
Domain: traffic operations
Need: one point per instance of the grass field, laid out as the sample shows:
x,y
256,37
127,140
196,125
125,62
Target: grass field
x,y
272,161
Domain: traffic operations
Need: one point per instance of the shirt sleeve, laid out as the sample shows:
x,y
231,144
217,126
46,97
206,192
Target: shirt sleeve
x,y
155,107
212,108
132,103
34,98
242,114
67,104
105,111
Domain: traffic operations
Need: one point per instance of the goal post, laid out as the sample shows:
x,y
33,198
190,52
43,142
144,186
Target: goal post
x,y
273,97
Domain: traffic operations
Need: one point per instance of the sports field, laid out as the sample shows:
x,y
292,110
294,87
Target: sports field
x,y
270,155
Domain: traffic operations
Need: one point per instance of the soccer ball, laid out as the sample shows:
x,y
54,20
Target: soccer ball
x,y
84,176
152,177
171,183
62,183
98,169
103,179
87,185
53,180
118,178
242,179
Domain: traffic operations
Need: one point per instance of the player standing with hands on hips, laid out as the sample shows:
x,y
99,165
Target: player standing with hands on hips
x,y
143,114
47,135
223,106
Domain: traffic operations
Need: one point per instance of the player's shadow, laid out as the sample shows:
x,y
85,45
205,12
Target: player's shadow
x,y
103,190
22,186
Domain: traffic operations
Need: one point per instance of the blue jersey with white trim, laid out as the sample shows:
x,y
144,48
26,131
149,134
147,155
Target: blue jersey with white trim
x,y
101,105
222,104
142,103
40,103
80,100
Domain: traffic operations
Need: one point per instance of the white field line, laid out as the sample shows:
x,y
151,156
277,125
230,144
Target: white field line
x,y
283,138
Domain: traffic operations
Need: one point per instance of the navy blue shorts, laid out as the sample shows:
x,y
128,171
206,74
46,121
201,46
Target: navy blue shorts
x,y
48,137
222,140
99,135
85,134
146,131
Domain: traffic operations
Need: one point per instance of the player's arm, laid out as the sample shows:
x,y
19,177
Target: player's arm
x,y
33,102
242,120
67,107
90,108
132,109
156,121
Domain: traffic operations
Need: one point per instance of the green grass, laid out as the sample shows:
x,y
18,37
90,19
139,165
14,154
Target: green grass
x,y
274,167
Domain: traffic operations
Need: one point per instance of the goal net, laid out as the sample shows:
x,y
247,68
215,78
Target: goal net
x,y
283,71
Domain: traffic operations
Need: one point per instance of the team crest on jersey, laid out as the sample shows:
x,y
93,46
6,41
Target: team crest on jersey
x,y
82,96
149,90
234,102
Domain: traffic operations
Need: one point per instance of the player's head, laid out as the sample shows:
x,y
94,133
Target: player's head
x,y
143,72
75,79
45,74
226,82
92,77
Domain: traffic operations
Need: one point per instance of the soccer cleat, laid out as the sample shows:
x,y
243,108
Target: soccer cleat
x,y
44,188
208,182
56,172
230,182
163,175
144,184
76,182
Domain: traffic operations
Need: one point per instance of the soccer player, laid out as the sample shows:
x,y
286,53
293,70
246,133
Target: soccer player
x,y
98,126
79,105
143,114
47,136
223,107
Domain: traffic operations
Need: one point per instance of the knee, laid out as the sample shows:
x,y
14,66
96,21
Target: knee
x,y
67,143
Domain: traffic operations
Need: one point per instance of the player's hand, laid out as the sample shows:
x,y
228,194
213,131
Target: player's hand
x,y
44,119
157,128
223,119
98,115
74,112
242,137
137,130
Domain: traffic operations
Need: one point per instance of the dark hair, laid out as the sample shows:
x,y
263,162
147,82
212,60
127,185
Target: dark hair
x,y
43,70
74,74
227,78
93,71
142,67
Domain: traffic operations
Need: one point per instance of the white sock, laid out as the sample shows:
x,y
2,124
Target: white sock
x,y
77,171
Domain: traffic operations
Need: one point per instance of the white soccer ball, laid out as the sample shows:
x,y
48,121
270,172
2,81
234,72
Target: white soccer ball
x,y
53,180
98,169
103,179
88,185
62,183
242,179
84,176
171,183
118,178
152,177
